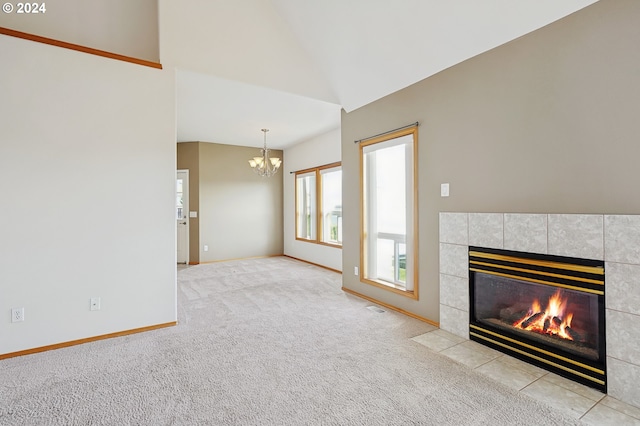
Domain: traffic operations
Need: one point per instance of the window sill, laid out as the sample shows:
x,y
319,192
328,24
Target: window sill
x,y
320,243
391,287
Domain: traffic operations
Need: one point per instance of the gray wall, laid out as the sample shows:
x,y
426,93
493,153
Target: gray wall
x,y
548,123
239,212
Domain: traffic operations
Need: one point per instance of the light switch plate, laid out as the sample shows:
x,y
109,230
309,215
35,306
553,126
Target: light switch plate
x,y
444,190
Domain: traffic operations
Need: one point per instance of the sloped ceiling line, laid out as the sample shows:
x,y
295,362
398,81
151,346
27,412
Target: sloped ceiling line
x,y
291,65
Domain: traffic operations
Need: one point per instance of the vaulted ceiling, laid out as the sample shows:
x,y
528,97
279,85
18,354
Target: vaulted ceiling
x,y
292,65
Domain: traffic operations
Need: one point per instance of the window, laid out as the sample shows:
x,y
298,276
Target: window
x,y
319,204
389,211
331,206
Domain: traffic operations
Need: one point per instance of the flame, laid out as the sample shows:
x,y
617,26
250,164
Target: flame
x,y
552,320
535,307
568,319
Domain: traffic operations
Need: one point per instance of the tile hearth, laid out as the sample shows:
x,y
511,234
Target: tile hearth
x,y
612,238
582,403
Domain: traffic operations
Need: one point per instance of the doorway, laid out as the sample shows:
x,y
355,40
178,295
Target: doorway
x,y
182,216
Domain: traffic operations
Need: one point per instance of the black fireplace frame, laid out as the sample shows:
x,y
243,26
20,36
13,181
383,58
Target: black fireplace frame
x,y
555,271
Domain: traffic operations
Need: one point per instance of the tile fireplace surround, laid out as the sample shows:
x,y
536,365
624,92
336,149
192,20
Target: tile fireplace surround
x,y
612,238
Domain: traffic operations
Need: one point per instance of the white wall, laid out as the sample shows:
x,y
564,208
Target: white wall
x,y
246,41
321,150
125,27
87,177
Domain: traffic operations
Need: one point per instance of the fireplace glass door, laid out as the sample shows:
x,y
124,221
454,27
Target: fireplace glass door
x,y
564,318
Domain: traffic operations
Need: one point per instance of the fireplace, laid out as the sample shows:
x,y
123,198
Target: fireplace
x,y
545,310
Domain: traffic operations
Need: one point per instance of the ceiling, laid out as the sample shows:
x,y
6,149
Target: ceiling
x,y
292,65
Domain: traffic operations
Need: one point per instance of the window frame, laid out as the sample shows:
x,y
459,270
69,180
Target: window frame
x,y
319,220
313,201
413,246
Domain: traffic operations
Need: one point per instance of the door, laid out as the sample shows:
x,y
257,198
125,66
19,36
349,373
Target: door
x,y
182,216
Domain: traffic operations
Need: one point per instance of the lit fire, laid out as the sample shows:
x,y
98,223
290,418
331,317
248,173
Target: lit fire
x,y
553,320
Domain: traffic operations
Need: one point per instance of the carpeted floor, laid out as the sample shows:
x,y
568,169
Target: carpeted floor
x,y
261,342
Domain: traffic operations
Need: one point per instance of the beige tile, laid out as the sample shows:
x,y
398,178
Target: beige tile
x,y
623,287
477,347
525,232
450,336
506,374
454,228
558,397
486,230
454,321
622,238
623,336
454,292
524,366
576,235
454,260
620,406
623,381
601,415
434,341
587,392
469,355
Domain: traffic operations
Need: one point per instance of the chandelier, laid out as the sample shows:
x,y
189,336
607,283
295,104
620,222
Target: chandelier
x,y
263,165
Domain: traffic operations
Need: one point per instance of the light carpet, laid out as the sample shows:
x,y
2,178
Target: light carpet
x,y
261,342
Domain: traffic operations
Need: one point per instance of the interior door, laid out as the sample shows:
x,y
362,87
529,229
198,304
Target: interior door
x,y
182,216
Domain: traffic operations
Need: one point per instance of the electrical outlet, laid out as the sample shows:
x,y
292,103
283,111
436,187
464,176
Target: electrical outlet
x,y
355,270
17,314
95,304
206,248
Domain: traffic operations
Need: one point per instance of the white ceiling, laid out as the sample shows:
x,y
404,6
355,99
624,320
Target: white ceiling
x,y
291,65
213,109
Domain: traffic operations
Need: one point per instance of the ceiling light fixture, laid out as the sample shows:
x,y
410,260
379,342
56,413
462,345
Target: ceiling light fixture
x,y
263,165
